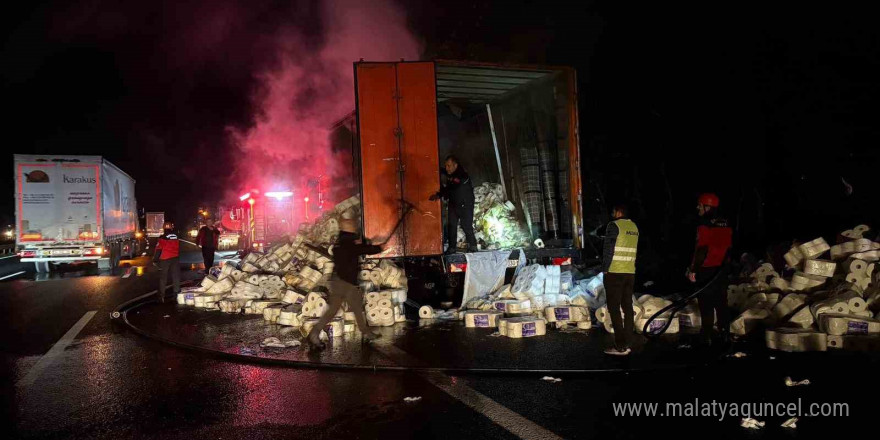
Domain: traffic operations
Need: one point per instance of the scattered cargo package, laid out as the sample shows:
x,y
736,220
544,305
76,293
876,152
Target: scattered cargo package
x,y
833,294
827,303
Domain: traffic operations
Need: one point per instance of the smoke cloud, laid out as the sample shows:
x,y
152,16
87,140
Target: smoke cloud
x,y
308,87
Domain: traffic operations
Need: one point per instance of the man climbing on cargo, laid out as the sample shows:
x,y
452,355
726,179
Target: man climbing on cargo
x,y
619,269
166,257
709,266
343,284
459,194
208,239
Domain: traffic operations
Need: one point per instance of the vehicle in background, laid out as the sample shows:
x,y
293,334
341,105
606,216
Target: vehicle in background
x,y
155,222
74,209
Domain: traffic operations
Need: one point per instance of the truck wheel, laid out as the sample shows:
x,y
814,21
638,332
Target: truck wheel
x,y
114,256
41,266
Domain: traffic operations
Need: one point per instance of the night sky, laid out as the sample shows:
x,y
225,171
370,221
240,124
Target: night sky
x,y
772,107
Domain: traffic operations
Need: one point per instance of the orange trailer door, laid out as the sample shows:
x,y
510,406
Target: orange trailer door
x,y
397,130
423,227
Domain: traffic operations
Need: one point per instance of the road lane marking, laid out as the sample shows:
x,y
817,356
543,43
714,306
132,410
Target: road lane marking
x,y
13,275
494,411
128,272
56,350
8,256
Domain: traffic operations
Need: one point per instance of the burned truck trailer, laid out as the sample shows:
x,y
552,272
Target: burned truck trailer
x,y
514,127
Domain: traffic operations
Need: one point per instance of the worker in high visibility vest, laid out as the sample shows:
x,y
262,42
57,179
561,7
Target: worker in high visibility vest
x,y
619,272
709,267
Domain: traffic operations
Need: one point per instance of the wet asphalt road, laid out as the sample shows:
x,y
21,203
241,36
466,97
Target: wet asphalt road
x,y
110,383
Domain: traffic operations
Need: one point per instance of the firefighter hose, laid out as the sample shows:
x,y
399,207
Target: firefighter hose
x,y
676,306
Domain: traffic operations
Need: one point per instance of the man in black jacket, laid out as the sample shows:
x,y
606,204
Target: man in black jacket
x,y
208,239
459,194
343,283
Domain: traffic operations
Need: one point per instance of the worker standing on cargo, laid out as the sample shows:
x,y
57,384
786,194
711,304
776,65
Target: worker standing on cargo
x,y
619,273
459,194
708,268
166,257
208,238
343,284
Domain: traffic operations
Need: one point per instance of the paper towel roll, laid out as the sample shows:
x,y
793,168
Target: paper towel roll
x,y
813,249
384,303
861,229
602,314
566,314
854,301
858,279
376,277
822,268
522,327
834,341
795,340
372,296
487,319
426,312
803,318
838,325
858,267
181,298
371,305
793,257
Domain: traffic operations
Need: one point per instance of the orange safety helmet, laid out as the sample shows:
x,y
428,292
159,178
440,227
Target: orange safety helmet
x,y
708,199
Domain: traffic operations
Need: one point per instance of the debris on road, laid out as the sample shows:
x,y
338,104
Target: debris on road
x,y
790,423
791,383
551,379
751,423
277,343
412,399
738,355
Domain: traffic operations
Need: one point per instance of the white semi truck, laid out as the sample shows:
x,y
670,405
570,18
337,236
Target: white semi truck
x,y
73,209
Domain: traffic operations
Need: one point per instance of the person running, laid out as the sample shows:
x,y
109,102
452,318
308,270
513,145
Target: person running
x,y
343,285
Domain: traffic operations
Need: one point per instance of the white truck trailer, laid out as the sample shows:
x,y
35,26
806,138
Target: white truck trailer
x,y
73,209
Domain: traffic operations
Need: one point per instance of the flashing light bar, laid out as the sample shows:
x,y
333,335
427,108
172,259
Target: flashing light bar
x,y
279,194
244,197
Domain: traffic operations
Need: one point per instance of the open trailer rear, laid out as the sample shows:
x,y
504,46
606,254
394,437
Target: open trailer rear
x,y
510,125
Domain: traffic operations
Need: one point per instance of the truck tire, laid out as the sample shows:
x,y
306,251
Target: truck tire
x,y
115,249
41,266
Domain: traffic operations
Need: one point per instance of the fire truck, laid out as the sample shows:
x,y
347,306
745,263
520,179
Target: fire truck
x,y
263,217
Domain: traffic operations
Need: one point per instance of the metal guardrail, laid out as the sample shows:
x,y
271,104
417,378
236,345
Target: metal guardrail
x,y
7,249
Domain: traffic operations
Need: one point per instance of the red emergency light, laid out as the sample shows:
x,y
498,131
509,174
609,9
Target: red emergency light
x,y
251,202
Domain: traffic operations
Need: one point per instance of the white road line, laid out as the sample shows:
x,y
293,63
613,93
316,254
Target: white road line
x,y
128,272
494,411
13,275
56,350
8,256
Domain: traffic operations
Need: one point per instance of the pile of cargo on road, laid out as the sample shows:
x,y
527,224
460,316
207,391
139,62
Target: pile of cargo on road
x,y
825,303
287,284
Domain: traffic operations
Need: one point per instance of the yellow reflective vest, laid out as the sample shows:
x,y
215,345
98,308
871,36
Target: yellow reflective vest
x,y
623,256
